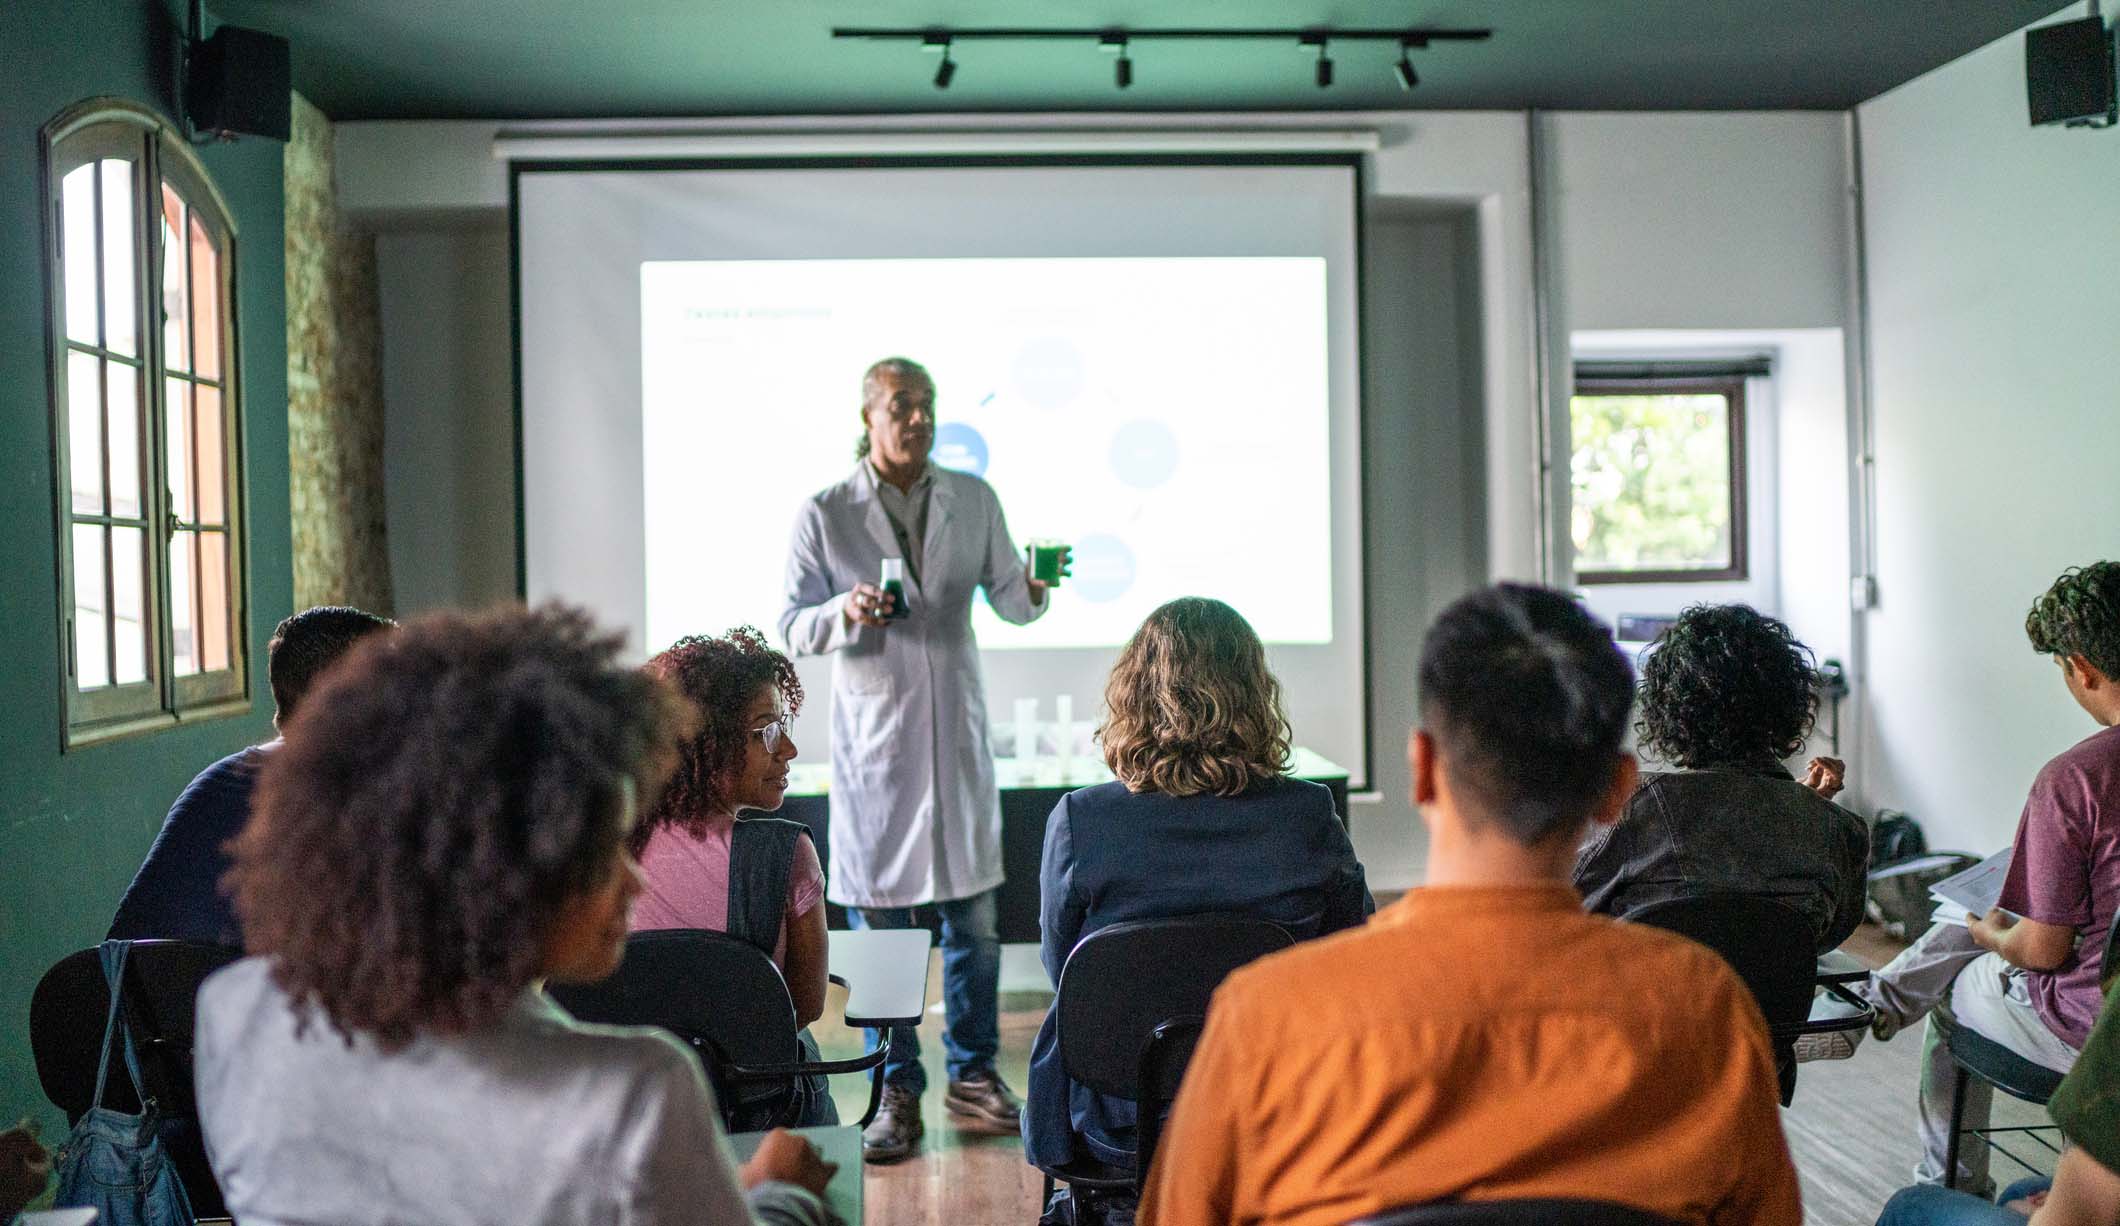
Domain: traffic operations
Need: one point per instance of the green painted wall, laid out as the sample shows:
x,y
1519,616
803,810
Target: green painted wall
x,y
74,826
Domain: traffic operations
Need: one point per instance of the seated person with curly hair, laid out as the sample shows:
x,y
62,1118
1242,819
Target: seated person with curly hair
x,y
1727,694
701,866
443,830
1203,817
2026,974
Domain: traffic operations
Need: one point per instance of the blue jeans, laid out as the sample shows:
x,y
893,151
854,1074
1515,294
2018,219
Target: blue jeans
x,y
971,981
1930,1204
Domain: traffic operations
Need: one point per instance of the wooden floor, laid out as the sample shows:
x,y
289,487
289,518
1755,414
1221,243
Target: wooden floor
x,y
1851,1129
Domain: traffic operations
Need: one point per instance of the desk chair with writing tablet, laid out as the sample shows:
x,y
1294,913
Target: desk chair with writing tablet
x,y
726,1000
1133,997
1769,944
161,989
1976,1055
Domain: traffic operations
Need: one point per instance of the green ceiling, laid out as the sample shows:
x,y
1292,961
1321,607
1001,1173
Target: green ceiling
x,y
364,59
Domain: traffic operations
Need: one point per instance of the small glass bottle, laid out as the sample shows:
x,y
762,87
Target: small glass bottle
x,y
894,587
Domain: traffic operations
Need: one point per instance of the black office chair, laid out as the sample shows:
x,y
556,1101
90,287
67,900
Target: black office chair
x,y
1769,944
1516,1213
1132,999
726,999
161,987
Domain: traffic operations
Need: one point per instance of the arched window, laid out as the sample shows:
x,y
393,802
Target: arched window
x,y
147,425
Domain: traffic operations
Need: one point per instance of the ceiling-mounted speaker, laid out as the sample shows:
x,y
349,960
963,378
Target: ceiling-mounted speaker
x,y
2068,73
239,84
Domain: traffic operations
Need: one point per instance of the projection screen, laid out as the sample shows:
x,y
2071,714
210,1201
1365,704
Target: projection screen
x,y
1157,363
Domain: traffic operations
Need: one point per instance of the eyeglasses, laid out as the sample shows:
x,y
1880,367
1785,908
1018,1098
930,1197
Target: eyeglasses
x,y
772,734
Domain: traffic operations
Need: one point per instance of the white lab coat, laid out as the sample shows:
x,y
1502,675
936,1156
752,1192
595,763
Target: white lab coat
x,y
916,817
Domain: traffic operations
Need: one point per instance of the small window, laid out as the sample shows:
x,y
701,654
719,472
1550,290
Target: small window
x,y
1657,473
146,422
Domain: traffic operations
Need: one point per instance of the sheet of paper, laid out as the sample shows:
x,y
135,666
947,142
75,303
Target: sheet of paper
x,y
1976,890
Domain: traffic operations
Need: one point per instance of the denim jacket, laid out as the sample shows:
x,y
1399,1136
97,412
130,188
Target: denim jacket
x,y
1739,829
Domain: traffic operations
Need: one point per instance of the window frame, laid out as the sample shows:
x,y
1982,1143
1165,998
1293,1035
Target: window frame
x,y
86,134
1732,388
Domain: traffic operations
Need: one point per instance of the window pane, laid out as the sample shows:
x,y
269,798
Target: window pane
x,y
182,582
128,621
178,413
213,458
91,645
176,297
77,217
1651,478
124,426
84,430
213,601
121,330
205,300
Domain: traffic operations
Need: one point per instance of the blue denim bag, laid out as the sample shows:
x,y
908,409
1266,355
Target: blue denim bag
x,y
112,1162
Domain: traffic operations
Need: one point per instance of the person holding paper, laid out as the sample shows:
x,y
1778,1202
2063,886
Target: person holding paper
x,y
2025,974
916,815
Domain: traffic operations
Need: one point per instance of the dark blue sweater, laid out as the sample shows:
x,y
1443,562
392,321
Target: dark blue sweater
x,y
1278,851
177,893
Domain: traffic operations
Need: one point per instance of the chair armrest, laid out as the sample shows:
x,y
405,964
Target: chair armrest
x,y
802,1068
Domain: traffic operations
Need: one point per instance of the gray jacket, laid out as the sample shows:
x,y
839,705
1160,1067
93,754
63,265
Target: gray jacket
x,y
538,1120
1746,829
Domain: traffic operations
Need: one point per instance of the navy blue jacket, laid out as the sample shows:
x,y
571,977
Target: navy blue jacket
x,y
177,894
1278,851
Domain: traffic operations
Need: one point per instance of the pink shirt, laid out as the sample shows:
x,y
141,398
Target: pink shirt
x,y
2066,871
686,883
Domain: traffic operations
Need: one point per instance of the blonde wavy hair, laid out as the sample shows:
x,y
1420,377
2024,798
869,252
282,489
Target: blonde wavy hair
x,y
1190,707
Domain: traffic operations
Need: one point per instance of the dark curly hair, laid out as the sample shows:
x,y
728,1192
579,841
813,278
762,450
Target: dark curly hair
x,y
2080,616
449,790
719,677
1727,684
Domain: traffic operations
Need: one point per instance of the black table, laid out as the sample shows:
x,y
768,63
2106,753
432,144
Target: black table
x,y
1024,809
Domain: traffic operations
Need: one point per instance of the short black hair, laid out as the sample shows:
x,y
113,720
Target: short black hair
x,y
1526,697
1727,684
2080,616
309,642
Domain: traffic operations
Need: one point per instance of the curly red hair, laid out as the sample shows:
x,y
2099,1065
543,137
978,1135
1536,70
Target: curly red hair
x,y
720,676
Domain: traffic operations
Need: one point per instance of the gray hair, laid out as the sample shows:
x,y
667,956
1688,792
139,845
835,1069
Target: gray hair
x,y
904,368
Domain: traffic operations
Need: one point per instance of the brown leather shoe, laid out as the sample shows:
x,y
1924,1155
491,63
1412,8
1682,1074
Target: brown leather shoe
x,y
896,1131
984,1101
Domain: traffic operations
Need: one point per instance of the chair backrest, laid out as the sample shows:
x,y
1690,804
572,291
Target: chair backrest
x,y
66,1015
1767,942
1122,982
724,997
1517,1213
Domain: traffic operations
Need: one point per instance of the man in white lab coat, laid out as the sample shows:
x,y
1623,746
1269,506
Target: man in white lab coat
x,y
916,817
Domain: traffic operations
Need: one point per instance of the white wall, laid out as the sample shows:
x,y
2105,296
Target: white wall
x,y
1994,308
1701,220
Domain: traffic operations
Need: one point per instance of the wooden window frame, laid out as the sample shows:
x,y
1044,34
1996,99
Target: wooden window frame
x,y
81,135
1732,388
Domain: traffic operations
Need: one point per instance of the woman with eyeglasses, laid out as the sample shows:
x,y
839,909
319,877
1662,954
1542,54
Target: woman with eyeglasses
x,y
702,866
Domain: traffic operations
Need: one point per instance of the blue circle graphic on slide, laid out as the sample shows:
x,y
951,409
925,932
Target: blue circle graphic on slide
x,y
1047,371
1103,568
960,447
1144,453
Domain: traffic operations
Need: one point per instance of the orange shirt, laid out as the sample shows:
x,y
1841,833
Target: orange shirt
x,y
1478,1044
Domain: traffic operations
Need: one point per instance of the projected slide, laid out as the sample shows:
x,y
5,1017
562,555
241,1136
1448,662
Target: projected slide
x,y
1167,417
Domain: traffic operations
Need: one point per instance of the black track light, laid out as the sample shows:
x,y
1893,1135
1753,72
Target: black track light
x,y
1123,68
1324,67
1408,78
945,71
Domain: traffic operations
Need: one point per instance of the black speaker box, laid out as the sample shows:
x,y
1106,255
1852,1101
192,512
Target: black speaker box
x,y
239,84
2068,72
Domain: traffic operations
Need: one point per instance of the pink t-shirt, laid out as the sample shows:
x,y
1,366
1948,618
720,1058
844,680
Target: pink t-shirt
x,y
686,883
2066,870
